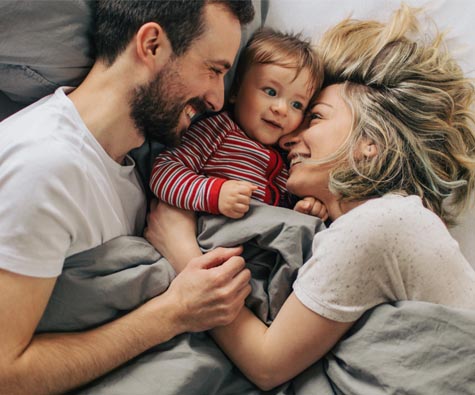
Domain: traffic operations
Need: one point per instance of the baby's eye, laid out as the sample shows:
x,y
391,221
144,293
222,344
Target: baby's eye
x,y
270,91
297,105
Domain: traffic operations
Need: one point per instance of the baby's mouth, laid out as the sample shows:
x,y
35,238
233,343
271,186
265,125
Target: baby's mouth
x,y
273,123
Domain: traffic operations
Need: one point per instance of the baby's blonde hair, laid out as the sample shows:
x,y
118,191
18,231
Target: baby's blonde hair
x,y
412,100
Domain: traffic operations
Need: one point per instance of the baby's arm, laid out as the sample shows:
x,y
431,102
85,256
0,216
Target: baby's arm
x,y
172,231
176,175
312,206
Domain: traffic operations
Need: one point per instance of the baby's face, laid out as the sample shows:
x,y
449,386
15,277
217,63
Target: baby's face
x,y
271,102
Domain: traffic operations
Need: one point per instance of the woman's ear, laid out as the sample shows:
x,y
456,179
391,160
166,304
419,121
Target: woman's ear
x,y
367,148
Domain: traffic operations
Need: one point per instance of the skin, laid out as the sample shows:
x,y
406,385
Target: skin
x,y
209,292
298,337
324,131
269,104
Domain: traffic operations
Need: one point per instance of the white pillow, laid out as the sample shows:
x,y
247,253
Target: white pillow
x,y
313,17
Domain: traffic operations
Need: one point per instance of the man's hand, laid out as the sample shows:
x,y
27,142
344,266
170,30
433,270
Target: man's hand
x,y
235,197
312,206
211,290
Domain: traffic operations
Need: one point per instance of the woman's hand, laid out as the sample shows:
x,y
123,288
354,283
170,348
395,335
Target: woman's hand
x,y
312,206
172,231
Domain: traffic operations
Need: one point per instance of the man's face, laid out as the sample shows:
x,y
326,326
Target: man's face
x,y
190,84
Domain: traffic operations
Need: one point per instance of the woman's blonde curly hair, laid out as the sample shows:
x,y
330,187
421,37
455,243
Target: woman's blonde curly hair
x,y
412,100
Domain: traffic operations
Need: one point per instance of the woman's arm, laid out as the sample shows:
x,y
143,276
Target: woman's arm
x,y
270,356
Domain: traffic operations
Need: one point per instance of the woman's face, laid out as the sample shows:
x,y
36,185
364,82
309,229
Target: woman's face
x,y
321,135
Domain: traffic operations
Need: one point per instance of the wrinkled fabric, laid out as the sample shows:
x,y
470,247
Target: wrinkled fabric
x,y
407,347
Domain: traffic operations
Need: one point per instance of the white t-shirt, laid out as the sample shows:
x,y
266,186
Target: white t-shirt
x,y
60,192
388,249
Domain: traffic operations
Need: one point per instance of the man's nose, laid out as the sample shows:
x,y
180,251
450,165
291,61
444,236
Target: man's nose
x,y
214,98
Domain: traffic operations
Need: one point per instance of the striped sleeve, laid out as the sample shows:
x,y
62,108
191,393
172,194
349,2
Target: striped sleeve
x,y
176,175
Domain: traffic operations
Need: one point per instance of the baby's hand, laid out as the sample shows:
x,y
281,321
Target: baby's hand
x,y
312,206
235,197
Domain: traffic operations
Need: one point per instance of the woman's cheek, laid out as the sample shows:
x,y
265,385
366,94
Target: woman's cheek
x,y
293,183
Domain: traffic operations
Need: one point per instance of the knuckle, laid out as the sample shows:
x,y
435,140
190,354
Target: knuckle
x,y
248,289
218,295
214,280
246,274
240,261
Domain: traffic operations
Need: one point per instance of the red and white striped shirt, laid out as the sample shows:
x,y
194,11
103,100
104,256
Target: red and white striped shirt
x,y
213,151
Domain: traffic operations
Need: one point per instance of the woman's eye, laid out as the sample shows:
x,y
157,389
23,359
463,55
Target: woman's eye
x,y
312,116
270,91
297,105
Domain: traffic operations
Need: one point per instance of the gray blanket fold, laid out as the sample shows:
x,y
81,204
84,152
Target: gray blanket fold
x,y
405,348
412,348
100,284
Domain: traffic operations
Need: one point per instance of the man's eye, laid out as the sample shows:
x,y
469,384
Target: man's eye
x,y
270,91
297,105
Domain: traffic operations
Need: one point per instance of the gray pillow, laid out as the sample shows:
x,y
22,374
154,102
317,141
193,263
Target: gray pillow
x,y
46,43
43,44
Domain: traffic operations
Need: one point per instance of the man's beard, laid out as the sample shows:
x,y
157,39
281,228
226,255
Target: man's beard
x,y
156,107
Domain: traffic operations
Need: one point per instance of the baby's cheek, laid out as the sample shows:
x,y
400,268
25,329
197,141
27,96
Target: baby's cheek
x,y
296,122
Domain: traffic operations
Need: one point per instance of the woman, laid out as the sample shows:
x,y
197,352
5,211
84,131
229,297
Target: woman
x,y
390,137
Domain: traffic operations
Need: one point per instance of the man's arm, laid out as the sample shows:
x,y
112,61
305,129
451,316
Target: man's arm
x,y
209,292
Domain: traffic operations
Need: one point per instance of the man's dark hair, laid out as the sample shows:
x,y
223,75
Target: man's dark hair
x,y
117,21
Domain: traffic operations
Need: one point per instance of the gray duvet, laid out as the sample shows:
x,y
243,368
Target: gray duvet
x,y
401,348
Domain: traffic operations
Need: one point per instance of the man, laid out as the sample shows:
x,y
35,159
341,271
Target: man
x,y
68,185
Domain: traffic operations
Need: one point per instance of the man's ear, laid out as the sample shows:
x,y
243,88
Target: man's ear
x,y
153,47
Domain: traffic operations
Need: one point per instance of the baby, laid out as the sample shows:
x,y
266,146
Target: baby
x,y
227,158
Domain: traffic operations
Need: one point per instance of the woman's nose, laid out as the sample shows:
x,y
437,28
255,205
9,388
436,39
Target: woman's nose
x,y
289,140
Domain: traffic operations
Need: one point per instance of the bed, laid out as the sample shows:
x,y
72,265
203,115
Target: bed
x,y
101,284
405,347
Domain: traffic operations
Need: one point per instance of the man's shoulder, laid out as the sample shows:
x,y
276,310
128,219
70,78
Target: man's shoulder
x,y
45,160
41,136
53,109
